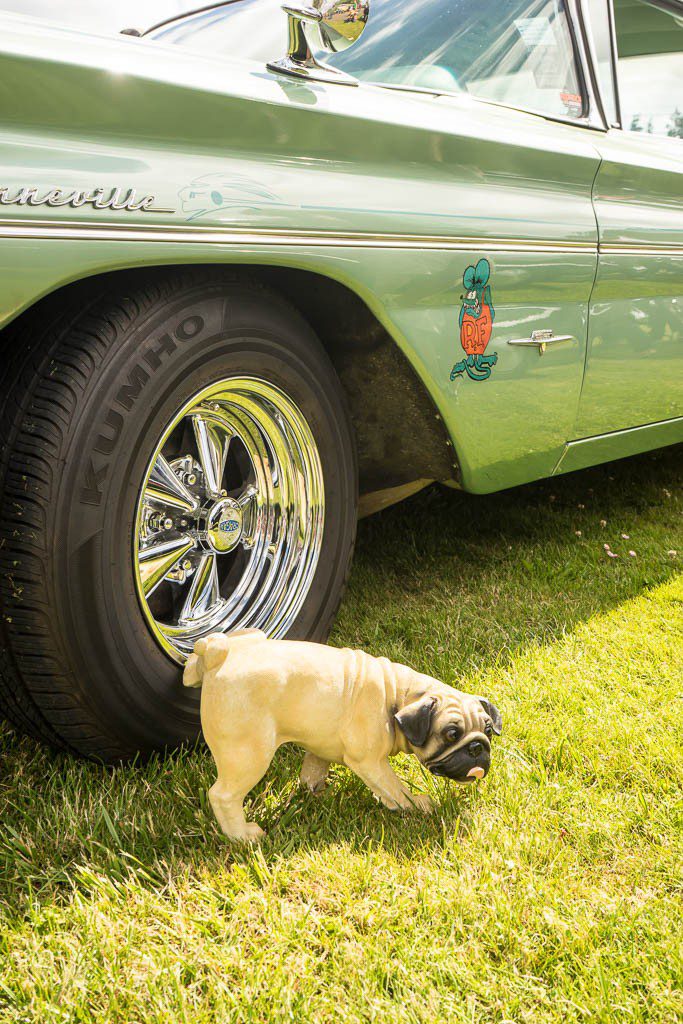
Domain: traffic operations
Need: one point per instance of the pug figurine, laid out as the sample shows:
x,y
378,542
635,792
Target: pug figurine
x,y
341,706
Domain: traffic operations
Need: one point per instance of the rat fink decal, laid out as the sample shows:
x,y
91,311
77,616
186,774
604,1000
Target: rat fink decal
x,y
476,323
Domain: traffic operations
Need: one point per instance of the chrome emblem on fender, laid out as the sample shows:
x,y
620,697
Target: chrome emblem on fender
x,y
98,198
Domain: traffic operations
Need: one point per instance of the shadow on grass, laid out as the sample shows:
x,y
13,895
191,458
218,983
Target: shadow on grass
x,y
75,827
460,582
451,583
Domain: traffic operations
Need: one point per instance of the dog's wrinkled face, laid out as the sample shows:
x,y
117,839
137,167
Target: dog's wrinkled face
x,y
451,735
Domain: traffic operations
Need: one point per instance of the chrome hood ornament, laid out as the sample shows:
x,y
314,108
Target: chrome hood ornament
x,y
331,25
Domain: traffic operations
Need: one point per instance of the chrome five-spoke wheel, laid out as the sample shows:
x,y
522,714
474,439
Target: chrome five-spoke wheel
x,y
230,516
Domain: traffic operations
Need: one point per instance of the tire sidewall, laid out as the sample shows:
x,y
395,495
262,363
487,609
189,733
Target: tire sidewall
x,y
165,357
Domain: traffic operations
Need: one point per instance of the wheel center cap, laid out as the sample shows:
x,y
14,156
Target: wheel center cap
x,y
224,526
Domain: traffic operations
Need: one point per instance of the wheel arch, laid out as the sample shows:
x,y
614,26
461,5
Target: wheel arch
x,y
403,443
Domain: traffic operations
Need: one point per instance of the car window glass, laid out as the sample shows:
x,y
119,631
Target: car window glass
x,y
518,52
650,67
599,14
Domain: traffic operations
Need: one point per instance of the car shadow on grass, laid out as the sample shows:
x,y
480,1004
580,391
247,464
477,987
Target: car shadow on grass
x,y
451,583
459,582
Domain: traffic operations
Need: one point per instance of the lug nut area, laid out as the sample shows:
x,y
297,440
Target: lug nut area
x,y
217,525
223,526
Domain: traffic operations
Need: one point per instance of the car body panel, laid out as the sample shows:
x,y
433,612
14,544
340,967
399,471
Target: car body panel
x,y
497,447
392,194
634,371
618,444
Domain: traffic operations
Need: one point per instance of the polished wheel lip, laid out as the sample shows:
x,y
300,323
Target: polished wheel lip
x,y
186,529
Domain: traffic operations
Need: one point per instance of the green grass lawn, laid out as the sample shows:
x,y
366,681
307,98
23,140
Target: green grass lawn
x,y
550,892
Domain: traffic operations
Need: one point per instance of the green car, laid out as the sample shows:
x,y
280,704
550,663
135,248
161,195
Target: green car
x,y
265,271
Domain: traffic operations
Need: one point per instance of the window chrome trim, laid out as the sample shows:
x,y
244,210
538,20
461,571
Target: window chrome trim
x,y
576,122
614,52
187,15
588,66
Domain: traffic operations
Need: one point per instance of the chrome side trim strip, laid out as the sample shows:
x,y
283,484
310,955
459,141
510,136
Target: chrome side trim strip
x,y
101,231
641,250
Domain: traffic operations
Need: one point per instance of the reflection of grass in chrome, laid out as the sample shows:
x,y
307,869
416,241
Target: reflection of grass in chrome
x,y
548,894
349,30
345,23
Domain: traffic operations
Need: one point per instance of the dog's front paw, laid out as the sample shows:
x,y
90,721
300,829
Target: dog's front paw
x,y
391,804
422,802
401,803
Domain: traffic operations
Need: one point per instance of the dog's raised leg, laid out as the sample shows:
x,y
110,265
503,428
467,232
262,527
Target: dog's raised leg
x,y
381,779
235,778
229,811
314,773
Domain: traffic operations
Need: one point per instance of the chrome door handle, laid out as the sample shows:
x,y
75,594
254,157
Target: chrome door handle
x,y
541,340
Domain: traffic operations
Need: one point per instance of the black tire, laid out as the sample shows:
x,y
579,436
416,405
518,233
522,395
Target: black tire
x,y
80,668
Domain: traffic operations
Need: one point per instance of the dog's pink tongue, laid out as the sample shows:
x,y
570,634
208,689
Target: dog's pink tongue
x,y
476,773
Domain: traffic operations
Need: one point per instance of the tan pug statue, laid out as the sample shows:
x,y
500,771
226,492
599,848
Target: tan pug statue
x,y
342,706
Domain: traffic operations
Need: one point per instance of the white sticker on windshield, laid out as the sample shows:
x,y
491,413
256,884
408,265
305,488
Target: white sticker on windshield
x,y
536,32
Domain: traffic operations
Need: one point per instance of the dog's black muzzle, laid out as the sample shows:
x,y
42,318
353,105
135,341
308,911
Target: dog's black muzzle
x,y
459,764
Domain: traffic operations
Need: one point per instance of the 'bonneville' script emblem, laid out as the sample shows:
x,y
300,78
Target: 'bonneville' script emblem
x,y
98,198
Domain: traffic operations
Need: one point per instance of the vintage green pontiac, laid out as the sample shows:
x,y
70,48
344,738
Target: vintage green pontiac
x,y
251,271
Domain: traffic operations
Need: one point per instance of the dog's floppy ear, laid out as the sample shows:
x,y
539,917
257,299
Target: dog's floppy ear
x,y
493,713
415,720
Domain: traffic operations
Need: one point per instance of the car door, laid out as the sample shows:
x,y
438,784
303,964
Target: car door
x,y
520,128
634,370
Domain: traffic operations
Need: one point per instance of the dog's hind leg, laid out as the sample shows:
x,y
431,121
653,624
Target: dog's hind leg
x,y
229,811
235,778
314,773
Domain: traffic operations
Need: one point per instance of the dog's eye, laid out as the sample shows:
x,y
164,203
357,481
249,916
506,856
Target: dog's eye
x,y
452,733
488,729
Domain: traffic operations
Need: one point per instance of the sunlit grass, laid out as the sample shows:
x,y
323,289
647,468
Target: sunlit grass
x,y
551,893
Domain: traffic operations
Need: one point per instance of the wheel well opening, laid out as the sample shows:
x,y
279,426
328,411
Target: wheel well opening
x,y
402,441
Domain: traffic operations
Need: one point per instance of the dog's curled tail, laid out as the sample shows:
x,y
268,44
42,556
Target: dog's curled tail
x,y
211,651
